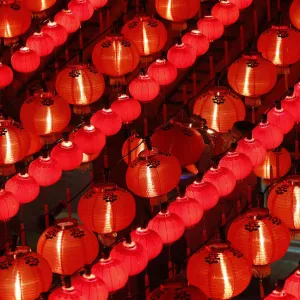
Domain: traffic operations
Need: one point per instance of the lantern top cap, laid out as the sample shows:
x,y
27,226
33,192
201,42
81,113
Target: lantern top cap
x,y
142,17
66,223
161,61
89,128
147,154
141,230
280,27
102,188
226,2
257,213
66,11
20,251
115,37
25,49
218,246
52,24
252,55
195,32
219,90
209,17
38,34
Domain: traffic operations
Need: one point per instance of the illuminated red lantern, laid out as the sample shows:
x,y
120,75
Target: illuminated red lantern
x,y
38,6
82,9
67,291
115,56
107,121
291,104
153,174
106,209
25,274
67,19
226,12
168,226
67,246
149,239
198,41
25,60
133,145
204,192
129,109
45,170
280,294
36,143
294,13
80,84
9,205
144,88
182,55
6,75
147,33
162,71
112,272
15,18
292,284
98,3
219,270
57,32
45,113
297,89
41,43
90,139
211,27
222,178
187,209
24,187
242,4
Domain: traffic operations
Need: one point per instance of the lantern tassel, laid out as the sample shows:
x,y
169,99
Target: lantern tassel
x,y
46,213
261,289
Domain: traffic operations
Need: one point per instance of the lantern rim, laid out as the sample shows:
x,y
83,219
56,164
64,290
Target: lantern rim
x,y
219,90
89,128
252,55
66,223
101,188
19,252
142,231
148,154
257,213
142,17
161,61
52,24
115,37
218,246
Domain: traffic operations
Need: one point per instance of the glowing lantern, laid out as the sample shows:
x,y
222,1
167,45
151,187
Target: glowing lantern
x,y
80,84
25,60
57,32
24,187
90,139
112,272
153,174
15,18
147,33
67,246
38,6
297,89
294,13
41,43
291,104
211,27
182,55
242,4
162,71
168,226
45,170
198,41
45,113
107,121
106,209
144,88
292,284
24,275
68,20
129,109
9,205
134,144
115,56
67,291
219,270
226,12
185,143
98,3
280,294
149,239
6,75
82,9
220,108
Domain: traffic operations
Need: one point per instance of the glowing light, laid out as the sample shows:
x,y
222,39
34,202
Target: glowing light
x,y
277,58
260,257
18,292
48,120
145,40
108,218
296,207
215,123
83,98
169,10
8,154
247,81
58,247
228,290
8,31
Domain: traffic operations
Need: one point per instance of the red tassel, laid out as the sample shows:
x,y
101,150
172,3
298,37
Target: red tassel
x,y
261,289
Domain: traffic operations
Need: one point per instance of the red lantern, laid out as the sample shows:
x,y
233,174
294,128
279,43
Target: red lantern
x,y
254,149
168,226
291,104
57,32
133,145
15,18
211,27
36,143
280,294
270,135
90,139
25,275
219,270
222,178
226,12
129,109
6,75
149,239
66,292
144,88
185,143
198,41
41,43
242,4
80,84
67,246
98,3
187,209
24,187
68,20
45,170
106,209
82,9
162,71
112,272
297,89
107,121
9,205
25,60
38,6
182,55
153,174
115,56
294,13
45,113
204,192
292,284
147,33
